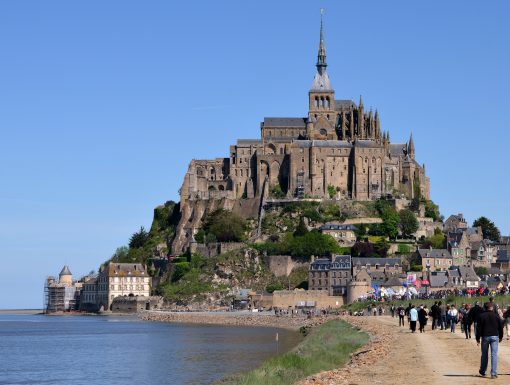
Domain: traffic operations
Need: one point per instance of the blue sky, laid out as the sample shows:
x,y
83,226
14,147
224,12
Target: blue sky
x,y
103,104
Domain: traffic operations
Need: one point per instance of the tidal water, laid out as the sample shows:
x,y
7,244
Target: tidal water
x,y
109,350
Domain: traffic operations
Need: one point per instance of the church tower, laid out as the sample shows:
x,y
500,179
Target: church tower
x,y
321,115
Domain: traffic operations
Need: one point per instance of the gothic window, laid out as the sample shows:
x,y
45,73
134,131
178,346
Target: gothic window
x,y
281,150
316,103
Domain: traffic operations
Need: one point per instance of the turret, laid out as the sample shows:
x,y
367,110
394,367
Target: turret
x,y
65,277
410,147
361,118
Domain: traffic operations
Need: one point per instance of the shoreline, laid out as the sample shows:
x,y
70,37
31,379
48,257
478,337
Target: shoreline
x,y
233,319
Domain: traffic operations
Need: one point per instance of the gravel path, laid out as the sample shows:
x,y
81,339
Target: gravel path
x,y
396,356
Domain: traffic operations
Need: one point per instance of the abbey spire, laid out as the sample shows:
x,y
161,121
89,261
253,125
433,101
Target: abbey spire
x,y
321,81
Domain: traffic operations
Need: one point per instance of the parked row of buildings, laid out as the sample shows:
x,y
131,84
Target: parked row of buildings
x,y
96,292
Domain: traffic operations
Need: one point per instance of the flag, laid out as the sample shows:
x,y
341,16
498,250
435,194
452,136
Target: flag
x,y
276,339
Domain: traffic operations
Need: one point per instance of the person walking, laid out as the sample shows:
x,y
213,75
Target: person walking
x,y
435,314
442,313
453,315
466,320
422,318
506,320
474,313
413,318
401,315
490,332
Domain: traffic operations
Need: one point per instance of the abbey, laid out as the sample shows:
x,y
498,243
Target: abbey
x,y
337,151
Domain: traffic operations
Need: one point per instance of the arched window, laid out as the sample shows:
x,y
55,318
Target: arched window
x,y
316,102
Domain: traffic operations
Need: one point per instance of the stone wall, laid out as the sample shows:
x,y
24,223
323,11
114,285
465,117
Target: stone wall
x,y
135,304
292,298
214,249
282,265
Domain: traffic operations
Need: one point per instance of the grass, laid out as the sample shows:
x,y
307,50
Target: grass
x,y
326,347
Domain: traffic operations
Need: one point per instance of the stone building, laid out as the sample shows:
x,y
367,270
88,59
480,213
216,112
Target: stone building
x,y
344,234
331,275
437,259
387,266
116,280
337,150
459,247
454,223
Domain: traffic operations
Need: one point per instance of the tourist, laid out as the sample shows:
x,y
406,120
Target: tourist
x,y
495,306
461,315
442,312
466,320
401,315
435,313
474,313
408,314
422,318
453,317
392,310
413,317
506,319
490,331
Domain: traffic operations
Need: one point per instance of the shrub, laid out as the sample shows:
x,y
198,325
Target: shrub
x,y
225,226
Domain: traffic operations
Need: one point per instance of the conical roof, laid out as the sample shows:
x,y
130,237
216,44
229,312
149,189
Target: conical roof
x,y
65,271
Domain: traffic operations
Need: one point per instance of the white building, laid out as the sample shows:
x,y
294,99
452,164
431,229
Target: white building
x,y
121,279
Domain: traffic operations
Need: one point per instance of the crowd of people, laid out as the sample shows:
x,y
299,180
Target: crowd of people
x,y
486,323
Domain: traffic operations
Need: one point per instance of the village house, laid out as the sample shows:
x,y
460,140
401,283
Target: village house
x,y
483,253
436,259
454,223
332,275
388,266
343,234
459,247
502,261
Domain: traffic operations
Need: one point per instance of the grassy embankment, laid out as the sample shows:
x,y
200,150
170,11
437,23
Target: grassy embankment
x,y
326,347
502,300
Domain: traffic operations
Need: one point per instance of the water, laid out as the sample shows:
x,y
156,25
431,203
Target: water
x,y
37,349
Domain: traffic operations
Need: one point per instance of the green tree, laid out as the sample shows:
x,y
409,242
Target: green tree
x,y
437,241
408,223
489,229
391,220
480,270
225,226
432,210
270,288
331,191
138,239
312,243
301,228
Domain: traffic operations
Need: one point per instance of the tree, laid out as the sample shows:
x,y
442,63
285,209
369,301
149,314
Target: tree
x,y
331,191
121,254
225,226
480,270
390,219
489,229
138,239
312,243
437,241
432,210
408,223
301,228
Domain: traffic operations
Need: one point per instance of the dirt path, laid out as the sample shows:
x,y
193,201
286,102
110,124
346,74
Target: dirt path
x,y
396,356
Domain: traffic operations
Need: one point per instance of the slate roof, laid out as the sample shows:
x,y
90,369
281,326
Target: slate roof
x,y
494,271
285,122
453,272
398,148
125,270
365,143
393,281
65,271
438,279
505,240
320,264
434,253
321,82
341,262
502,256
333,226
467,273
344,104
323,143
376,261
